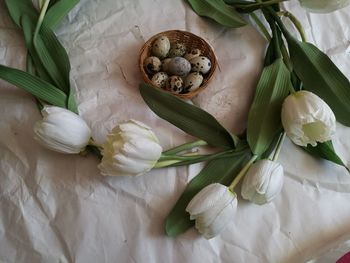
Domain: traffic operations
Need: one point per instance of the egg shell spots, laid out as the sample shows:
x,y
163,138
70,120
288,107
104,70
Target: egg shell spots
x,y
192,82
152,65
159,79
161,47
200,64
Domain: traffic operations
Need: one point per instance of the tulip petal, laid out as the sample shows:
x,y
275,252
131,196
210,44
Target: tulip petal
x,y
207,198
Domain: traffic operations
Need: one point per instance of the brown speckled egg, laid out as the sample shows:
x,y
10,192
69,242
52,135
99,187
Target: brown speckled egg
x,y
193,53
161,47
174,84
159,79
200,64
152,65
177,50
192,82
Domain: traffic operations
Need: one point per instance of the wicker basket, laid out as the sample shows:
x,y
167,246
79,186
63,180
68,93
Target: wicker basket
x,y
191,41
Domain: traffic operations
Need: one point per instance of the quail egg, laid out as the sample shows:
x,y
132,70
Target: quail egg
x,y
192,82
161,47
177,50
192,54
201,64
174,84
152,65
165,64
159,79
179,66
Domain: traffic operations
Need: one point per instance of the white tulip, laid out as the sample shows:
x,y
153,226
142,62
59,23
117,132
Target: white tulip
x,y
62,130
263,182
131,149
323,6
307,119
212,208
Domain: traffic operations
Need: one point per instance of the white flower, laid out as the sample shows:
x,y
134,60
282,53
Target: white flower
x,y
323,6
131,149
62,130
263,182
212,208
307,119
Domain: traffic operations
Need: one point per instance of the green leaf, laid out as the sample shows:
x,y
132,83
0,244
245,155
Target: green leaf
x,y
218,11
320,76
34,85
50,65
218,171
58,11
18,8
264,120
187,117
28,28
325,151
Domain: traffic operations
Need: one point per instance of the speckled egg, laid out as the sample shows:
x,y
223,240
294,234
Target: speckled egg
x,y
165,64
179,66
174,84
201,64
152,65
177,50
193,53
161,47
159,79
192,82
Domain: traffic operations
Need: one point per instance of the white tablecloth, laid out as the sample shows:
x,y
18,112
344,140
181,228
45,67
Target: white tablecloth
x,y
58,208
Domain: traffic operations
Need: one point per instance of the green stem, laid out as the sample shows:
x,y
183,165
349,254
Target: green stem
x,y
278,147
41,17
261,26
185,146
175,160
279,22
242,173
94,144
295,22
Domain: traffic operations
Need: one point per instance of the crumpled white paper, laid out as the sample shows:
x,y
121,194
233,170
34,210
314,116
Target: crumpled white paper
x,y
58,208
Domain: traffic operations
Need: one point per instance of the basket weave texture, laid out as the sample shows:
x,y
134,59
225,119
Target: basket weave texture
x,y
191,41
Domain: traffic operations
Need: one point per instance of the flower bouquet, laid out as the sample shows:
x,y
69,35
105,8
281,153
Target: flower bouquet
x,y
300,94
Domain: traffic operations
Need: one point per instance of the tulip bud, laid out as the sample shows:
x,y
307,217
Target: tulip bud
x,y
62,130
307,119
263,182
131,149
323,6
212,208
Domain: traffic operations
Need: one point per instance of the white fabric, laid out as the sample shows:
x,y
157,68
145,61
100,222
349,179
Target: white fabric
x,y
58,208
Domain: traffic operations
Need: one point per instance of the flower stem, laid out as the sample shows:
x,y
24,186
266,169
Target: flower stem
x,y
93,143
261,26
176,160
41,17
185,146
278,147
242,173
295,22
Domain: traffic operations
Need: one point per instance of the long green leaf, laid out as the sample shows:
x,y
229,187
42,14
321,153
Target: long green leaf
x,y
18,8
218,11
187,117
34,85
58,11
322,77
28,30
264,120
218,171
325,151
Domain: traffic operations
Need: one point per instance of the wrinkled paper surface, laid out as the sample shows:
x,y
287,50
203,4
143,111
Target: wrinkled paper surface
x,y
58,208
